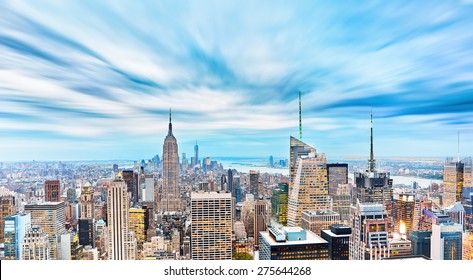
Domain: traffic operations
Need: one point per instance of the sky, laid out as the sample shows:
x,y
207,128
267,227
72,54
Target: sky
x,y
96,79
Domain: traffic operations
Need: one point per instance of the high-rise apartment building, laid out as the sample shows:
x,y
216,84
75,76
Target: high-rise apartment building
x,y
211,226
121,242
51,217
16,227
292,243
170,197
52,190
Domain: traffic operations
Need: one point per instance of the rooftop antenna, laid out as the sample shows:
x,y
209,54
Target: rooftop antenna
x,y
371,166
300,117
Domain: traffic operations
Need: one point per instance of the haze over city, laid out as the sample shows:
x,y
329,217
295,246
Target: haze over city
x,y
95,80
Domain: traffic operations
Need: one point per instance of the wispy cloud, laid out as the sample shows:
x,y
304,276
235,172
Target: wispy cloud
x,y
103,75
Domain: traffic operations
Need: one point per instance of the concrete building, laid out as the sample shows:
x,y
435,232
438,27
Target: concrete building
x,y
318,220
446,241
292,243
338,238
35,245
211,226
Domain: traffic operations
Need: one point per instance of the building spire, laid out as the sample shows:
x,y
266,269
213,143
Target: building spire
x,y
170,123
300,117
372,162
458,147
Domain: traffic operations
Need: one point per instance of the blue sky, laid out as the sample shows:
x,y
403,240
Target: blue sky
x,y
96,79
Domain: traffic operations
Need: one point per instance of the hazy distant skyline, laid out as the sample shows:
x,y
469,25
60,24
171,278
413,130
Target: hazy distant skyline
x,y
95,80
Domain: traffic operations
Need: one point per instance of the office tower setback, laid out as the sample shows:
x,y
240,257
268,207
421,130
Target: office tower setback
x,y
337,174
309,188
421,242
211,228
446,241
52,190
16,227
120,240
318,220
260,222
170,197
292,243
404,213
51,217
279,201
338,238
36,245
7,207
369,240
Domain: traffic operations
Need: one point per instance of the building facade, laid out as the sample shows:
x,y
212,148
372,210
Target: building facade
x,y
338,238
170,197
292,243
16,227
211,226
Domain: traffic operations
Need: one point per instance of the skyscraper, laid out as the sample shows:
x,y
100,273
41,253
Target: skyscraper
x,y
16,227
260,222
230,182
118,222
446,241
318,220
87,205
7,207
373,186
170,197
52,190
35,245
421,242
279,202
457,176
308,188
196,155
254,178
403,213
369,240
51,217
87,216
337,174
292,243
211,228
338,238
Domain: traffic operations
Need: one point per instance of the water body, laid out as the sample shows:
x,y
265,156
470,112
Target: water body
x,y
261,165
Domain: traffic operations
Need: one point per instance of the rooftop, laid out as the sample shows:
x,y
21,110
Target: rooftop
x,y
206,195
311,238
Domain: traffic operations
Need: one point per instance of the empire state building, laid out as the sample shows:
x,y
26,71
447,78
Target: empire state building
x,y
170,196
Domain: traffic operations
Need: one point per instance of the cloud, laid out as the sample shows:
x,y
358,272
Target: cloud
x,y
84,72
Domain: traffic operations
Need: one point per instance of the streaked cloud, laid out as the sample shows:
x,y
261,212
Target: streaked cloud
x,y
88,79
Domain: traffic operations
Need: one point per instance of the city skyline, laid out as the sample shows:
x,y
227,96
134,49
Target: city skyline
x,y
95,81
